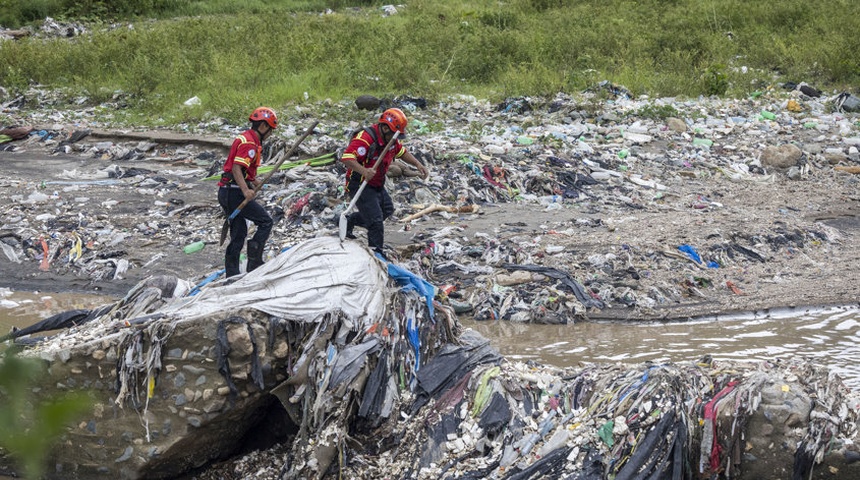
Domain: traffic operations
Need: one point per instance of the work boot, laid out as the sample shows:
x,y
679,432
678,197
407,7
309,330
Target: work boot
x,y
231,265
255,255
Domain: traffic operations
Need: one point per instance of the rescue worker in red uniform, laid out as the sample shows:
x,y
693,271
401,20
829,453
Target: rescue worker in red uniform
x,y
375,205
237,184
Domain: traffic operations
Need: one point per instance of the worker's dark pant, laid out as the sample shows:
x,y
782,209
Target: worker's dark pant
x,y
229,199
374,206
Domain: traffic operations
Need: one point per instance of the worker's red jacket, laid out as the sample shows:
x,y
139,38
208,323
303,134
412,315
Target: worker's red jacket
x,y
245,151
363,144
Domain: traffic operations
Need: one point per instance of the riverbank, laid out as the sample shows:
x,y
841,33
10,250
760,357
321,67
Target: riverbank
x,y
581,214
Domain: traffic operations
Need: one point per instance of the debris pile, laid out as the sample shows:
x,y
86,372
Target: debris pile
x,y
514,420
640,208
179,377
378,380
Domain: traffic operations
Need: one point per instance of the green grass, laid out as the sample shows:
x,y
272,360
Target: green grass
x,y
235,55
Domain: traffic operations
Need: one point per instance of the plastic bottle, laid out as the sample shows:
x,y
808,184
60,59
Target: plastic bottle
x,y
768,115
548,199
194,247
558,440
524,140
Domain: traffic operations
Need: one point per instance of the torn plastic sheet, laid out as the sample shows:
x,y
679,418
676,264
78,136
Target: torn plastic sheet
x,y
350,360
411,282
59,321
450,364
316,276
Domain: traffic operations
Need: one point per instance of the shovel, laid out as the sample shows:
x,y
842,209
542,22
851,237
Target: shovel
x,y
343,220
226,227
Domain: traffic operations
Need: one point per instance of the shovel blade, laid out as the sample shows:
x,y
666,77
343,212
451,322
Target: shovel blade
x,y
342,224
224,229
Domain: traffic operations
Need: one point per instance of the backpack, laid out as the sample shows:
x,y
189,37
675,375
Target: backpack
x,y
374,145
371,151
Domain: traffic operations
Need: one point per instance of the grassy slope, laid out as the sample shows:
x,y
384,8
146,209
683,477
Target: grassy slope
x,y
434,48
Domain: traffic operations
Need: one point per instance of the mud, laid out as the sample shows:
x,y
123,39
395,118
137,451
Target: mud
x,y
802,230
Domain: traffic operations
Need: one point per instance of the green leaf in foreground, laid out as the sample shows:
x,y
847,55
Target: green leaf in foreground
x,y
28,427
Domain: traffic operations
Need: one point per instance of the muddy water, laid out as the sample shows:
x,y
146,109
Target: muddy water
x,y
831,336
21,309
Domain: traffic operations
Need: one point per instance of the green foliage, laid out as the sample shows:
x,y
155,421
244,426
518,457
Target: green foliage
x,y
716,80
14,13
27,428
236,55
656,112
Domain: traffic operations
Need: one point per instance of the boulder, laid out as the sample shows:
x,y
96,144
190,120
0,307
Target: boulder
x,y
367,102
781,157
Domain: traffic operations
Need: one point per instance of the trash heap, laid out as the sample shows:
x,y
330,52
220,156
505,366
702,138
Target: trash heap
x,y
378,380
580,165
696,420
179,376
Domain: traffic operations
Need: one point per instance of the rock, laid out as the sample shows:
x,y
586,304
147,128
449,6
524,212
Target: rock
x,y
794,173
676,125
782,157
367,102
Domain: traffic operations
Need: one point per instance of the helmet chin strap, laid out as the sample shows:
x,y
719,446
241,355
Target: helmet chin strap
x,y
262,135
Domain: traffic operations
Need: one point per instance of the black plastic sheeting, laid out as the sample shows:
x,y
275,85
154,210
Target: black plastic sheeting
x,y
60,321
374,392
496,415
660,455
450,365
549,466
578,290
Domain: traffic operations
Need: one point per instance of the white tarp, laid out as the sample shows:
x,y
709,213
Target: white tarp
x,y
314,277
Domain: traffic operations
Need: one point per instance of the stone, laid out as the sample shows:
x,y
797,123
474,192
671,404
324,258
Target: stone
x,y
781,157
367,102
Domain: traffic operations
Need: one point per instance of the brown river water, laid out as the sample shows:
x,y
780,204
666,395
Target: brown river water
x,y
829,335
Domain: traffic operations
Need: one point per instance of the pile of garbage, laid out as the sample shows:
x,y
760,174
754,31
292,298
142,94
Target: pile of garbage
x,y
702,420
179,375
581,163
378,380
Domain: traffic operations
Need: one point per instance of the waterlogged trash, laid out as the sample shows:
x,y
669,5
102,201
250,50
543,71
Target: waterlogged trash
x,y
194,247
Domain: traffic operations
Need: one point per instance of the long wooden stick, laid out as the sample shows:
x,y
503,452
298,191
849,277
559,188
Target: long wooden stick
x,y
441,208
266,178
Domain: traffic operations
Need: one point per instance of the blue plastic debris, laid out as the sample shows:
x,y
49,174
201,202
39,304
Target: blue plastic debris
x,y
691,252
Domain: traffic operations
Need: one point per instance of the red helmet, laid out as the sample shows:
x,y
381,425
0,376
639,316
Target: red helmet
x,y
395,119
265,114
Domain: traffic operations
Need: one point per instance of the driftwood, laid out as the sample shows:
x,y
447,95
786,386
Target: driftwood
x,y
441,208
851,169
